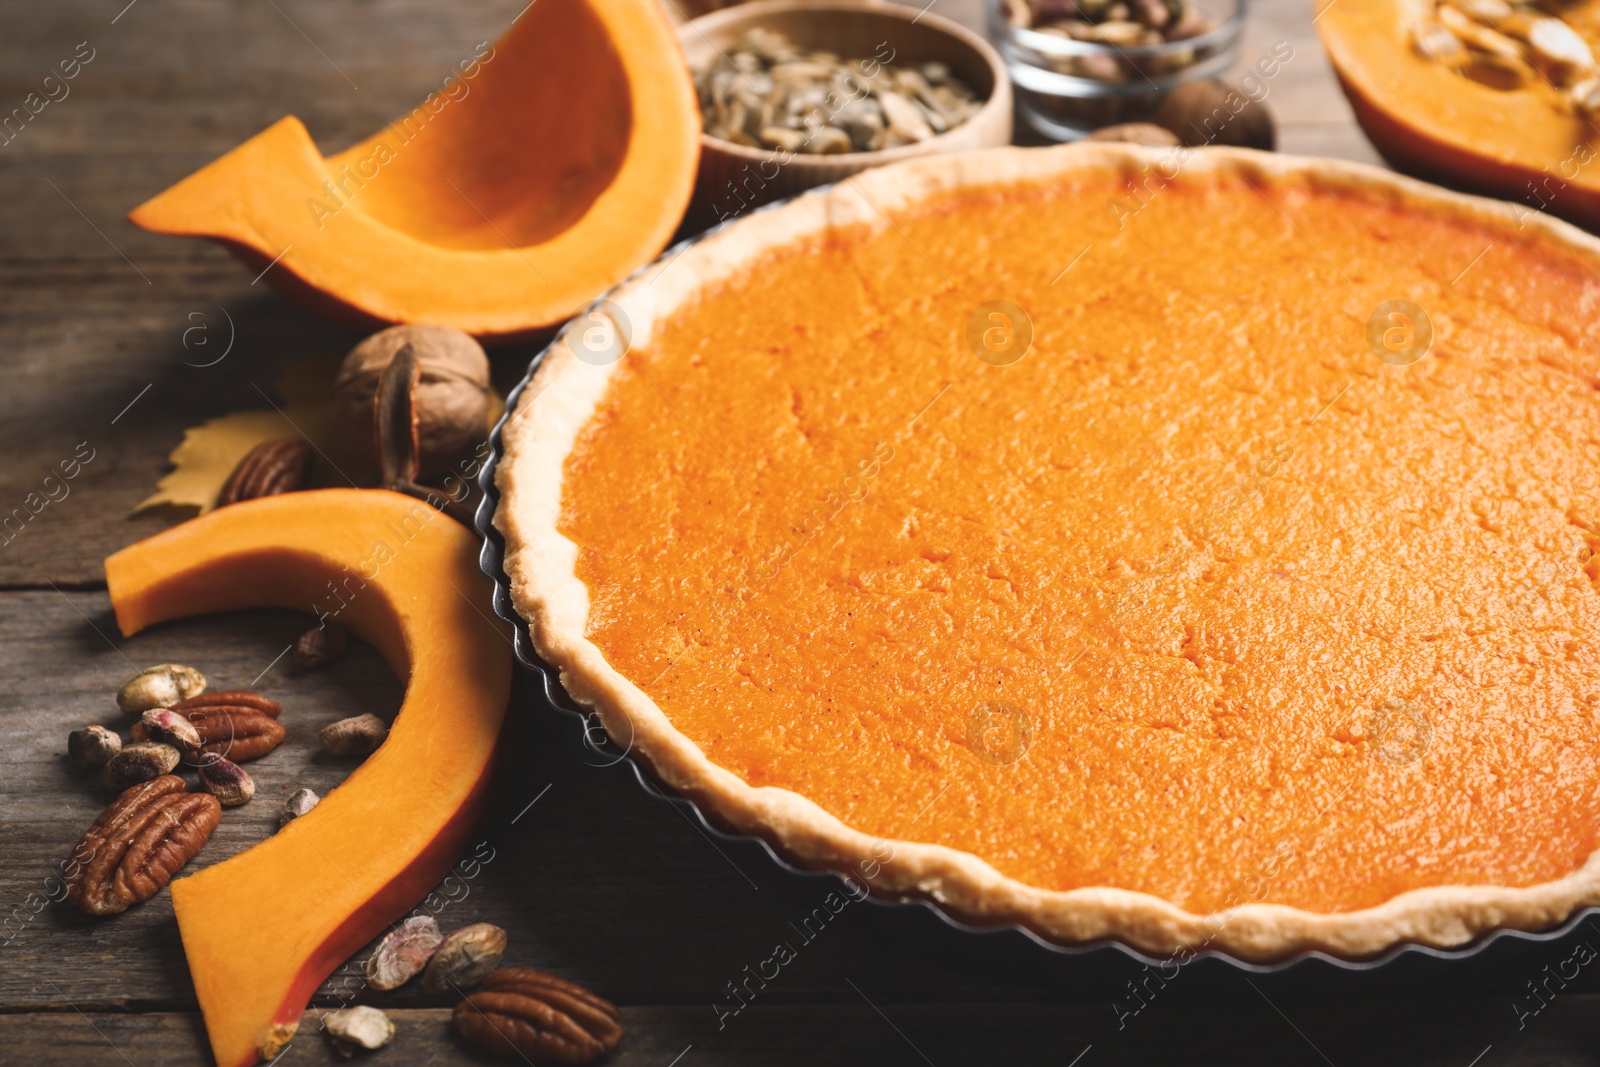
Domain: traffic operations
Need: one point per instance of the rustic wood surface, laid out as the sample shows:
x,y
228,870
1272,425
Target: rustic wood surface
x,y
593,878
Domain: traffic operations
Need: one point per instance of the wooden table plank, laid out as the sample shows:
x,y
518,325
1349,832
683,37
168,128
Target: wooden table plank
x,y
794,1035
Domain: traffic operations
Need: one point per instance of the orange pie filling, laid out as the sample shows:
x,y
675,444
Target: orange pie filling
x,y
1234,586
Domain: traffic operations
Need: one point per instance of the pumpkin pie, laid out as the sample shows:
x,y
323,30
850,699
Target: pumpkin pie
x,y
1188,548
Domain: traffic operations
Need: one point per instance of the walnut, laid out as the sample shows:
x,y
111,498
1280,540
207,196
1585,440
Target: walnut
x,y
138,843
450,402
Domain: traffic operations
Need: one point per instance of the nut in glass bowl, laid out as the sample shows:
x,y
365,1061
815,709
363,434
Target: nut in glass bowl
x,y
1078,65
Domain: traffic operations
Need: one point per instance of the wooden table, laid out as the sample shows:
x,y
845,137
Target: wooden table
x,y
592,878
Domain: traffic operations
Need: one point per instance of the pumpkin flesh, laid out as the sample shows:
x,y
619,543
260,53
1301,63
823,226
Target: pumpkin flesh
x,y
1426,119
263,929
561,159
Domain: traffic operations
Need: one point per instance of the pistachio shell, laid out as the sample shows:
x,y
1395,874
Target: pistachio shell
x,y
160,686
357,736
226,780
93,746
464,958
299,803
359,1027
140,762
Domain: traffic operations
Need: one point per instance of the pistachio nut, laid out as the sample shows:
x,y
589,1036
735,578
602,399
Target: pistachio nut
x,y
226,780
160,686
357,736
93,746
140,762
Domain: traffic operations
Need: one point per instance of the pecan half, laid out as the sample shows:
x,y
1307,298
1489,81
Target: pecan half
x,y
238,735
233,699
528,1013
234,723
138,843
272,467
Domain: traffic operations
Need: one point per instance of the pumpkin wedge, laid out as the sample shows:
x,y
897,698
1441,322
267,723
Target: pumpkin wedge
x,y
548,168
263,929
1430,118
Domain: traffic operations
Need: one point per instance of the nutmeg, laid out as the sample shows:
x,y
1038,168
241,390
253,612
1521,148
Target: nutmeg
x,y
1212,112
1143,133
451,400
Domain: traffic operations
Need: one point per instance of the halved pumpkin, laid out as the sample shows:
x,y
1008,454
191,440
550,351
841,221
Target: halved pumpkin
x,y
264,928
549,167
1522,144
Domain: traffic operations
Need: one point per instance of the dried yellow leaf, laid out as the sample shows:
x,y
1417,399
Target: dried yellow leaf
x,y
210,451
305,408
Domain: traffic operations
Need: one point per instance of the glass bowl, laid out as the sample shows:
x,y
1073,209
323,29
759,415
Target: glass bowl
x,y
1058,95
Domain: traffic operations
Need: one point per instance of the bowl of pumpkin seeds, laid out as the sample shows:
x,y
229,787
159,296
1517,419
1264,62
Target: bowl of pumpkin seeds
x,y
799,93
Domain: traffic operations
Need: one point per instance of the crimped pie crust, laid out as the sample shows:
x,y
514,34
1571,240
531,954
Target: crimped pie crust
x,y
542,565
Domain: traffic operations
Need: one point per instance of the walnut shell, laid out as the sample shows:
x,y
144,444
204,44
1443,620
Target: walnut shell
x,y
452,401
1212,112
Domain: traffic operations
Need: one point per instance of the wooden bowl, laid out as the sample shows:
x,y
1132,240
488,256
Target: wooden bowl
x,y
734,178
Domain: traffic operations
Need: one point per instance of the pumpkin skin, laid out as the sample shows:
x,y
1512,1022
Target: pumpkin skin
x,y
554,163
1427,120
263,929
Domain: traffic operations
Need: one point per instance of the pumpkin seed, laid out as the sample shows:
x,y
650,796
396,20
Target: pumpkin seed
x,y
1505,44
1585,96
830,140
1557,48
905,120
1478,36
767,92
779,137
1433,41
1488,12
